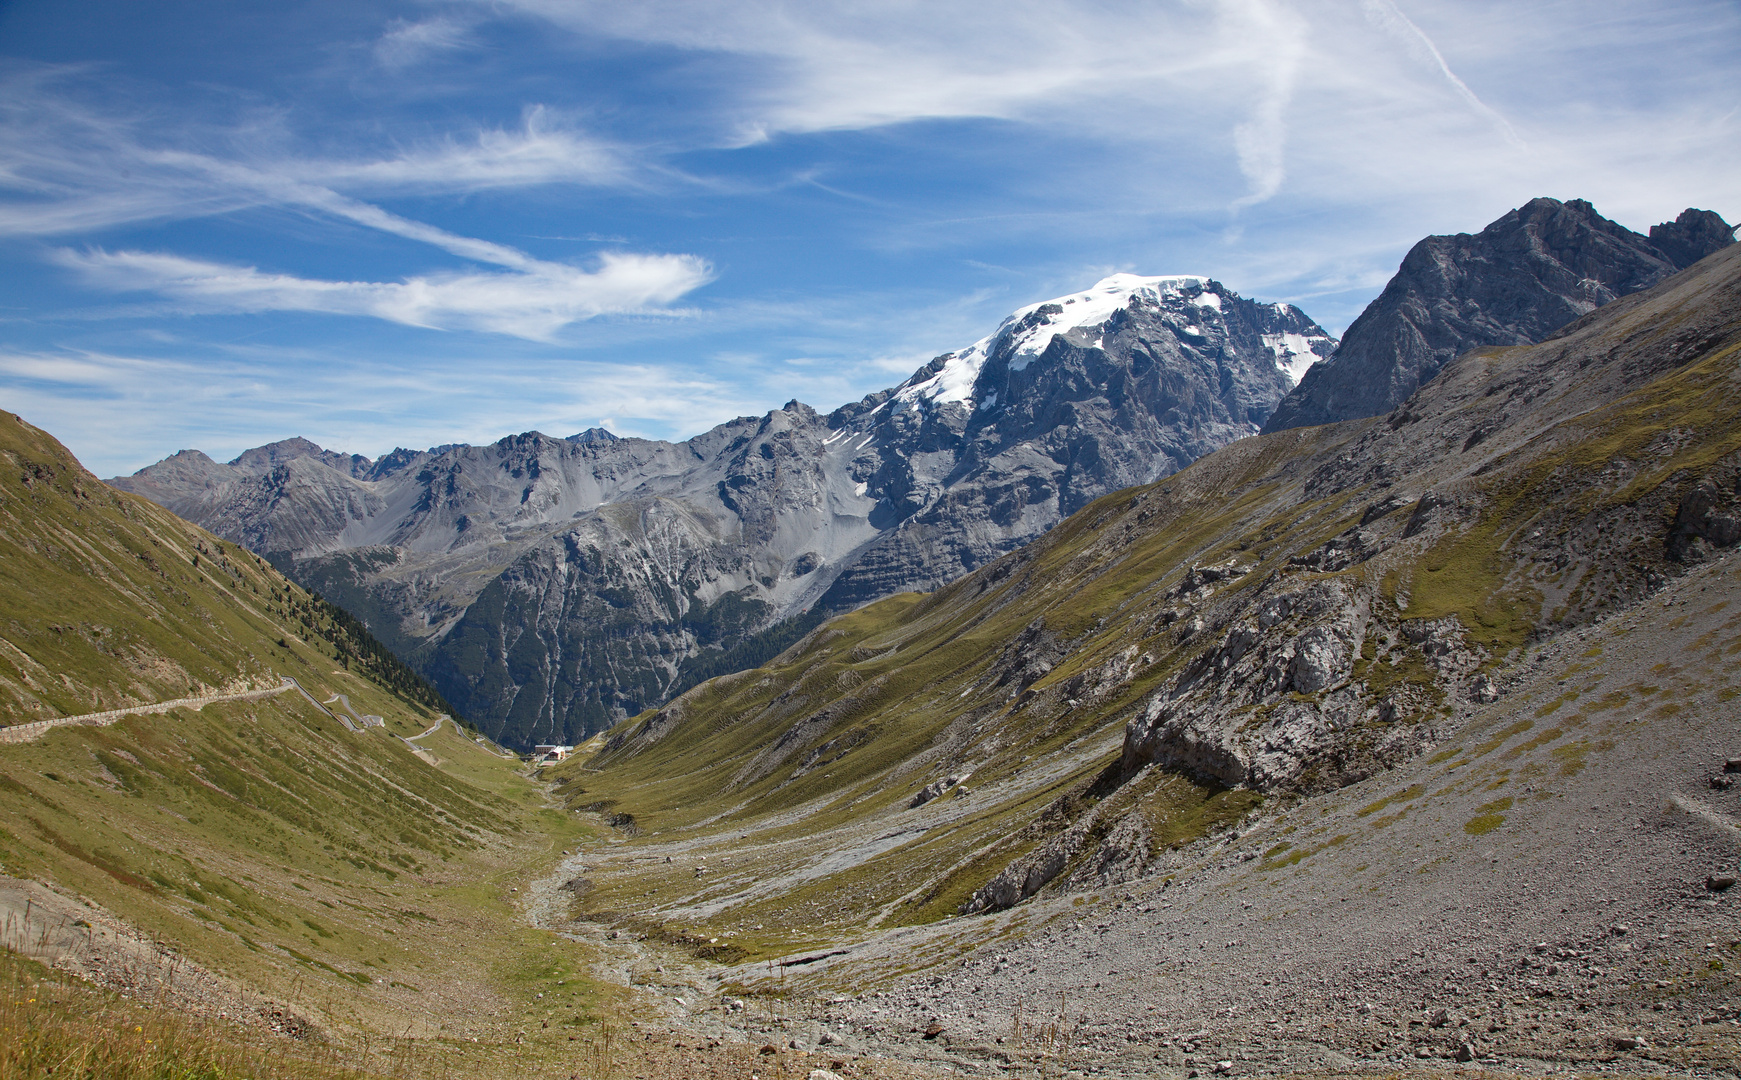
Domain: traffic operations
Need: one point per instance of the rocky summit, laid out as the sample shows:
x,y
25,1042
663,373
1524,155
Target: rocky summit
x,y
550,587
1515,282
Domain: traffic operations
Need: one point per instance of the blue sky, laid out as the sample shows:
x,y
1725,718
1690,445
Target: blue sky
x,y
381,223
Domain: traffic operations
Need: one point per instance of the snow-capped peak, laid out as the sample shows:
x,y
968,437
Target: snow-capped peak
x,y
1029,330
1032,328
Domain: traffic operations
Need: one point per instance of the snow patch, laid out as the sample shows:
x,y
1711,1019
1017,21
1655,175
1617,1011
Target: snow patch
x,y
1293,352
860,488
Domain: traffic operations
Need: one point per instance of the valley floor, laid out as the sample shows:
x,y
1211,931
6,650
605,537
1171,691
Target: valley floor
x,y
1531,897
1536,894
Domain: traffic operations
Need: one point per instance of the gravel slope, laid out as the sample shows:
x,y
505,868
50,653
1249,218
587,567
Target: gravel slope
x,y
1532,894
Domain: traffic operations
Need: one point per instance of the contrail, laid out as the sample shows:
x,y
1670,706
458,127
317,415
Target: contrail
x,y
1386,13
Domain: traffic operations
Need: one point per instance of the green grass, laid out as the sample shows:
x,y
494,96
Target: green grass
x,y
259,838
51,1025
1408,794
1490,817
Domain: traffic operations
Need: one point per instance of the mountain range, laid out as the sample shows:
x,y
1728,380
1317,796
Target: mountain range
x,y
1348,747
550,587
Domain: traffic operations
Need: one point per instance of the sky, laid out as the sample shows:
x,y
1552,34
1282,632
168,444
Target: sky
x,y
376,223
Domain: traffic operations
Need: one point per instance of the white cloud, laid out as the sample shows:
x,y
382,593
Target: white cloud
x,y
68,167
71,169
1492,104
535,302
1385,13
541,151
405,42
1132,73
1261,141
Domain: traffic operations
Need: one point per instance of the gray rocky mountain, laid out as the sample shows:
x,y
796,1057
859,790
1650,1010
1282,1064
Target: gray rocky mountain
x,y
551,586
1347,748
1518,280
1291,615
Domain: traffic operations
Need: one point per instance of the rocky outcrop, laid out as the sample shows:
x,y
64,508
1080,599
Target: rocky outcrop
x,y
550,587
1526,275
1298,693
1709,516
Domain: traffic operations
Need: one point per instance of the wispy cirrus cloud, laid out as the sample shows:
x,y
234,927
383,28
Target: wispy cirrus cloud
x,y
540,151
535,303
67,166
1234,71
406,41
1352,99
98,171
1385,13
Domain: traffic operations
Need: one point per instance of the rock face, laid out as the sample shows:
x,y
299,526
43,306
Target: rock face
x,y
1514,283
1292,614
550,587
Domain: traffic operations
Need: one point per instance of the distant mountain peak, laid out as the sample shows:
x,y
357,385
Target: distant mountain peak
x,y
285,451
1518,280
1028,332
275,453
1692,236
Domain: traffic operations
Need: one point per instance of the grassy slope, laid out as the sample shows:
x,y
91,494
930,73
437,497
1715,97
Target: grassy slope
x,y
333,871
908,675
1561,517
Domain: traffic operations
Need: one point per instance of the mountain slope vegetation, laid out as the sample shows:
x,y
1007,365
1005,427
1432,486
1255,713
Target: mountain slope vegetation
x,y
1289,615
324,861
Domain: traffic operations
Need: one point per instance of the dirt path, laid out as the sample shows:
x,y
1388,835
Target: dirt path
x,y
19,733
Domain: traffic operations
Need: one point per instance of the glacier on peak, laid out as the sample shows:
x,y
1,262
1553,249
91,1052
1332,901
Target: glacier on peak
x,y
1027,332
1294,353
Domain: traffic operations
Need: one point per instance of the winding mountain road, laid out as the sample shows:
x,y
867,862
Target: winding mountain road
x,y
351,718
19,733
